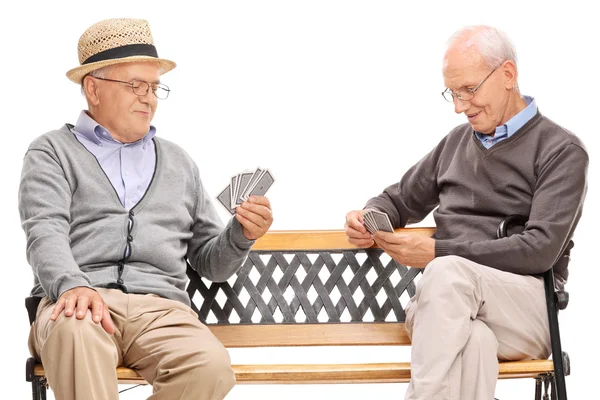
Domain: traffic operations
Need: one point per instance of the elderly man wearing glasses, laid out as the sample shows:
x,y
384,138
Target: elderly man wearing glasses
x,y
112,214
479,299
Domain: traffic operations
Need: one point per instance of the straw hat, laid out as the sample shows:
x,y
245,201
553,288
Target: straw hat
x,y
116,41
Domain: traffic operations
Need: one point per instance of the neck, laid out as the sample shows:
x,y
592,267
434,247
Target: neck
x,y
516,104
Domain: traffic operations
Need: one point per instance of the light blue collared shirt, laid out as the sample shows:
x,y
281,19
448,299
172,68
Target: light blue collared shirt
x,y
511,126
128,166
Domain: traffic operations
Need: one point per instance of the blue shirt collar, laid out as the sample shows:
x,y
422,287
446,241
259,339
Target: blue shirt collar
x,y
515,123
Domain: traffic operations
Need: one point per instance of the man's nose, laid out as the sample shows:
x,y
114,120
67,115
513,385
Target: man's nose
x,y
460,106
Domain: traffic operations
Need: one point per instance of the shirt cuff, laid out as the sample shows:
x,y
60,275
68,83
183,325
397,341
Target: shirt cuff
x,y
237,236
442,248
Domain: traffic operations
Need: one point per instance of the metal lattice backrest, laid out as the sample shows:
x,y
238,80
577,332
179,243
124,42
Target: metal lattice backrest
x,y
307,287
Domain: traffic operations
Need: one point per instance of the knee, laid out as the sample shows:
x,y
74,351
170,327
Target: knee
x,y
483,338
481,348
445,271
219,367
70,338
444,263
447,277
71,329
209,365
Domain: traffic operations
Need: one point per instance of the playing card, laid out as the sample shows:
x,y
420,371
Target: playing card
x,y
261,186
243,181
225,198
370,227
369,222
232,187
253,183
237,189
244,185
250,184
382,221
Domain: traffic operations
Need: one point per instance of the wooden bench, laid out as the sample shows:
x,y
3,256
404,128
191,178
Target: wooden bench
x,y
312,288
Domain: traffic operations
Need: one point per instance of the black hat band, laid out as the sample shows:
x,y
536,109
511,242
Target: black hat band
x,y
128,50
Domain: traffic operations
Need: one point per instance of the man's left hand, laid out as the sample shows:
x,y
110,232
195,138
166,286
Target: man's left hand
x,y
255,216
412,250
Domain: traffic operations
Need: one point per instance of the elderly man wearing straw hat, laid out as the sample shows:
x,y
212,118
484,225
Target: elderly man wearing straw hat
x,y
111,214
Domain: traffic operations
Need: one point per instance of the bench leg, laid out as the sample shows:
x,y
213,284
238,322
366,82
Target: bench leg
x,y
549,391
559,389
38,388
538,388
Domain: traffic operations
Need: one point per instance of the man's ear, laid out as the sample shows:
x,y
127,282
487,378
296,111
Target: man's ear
x,y
90,89
510,75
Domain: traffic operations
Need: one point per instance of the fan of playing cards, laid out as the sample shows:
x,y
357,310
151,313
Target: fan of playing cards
x,y
244,185
375,220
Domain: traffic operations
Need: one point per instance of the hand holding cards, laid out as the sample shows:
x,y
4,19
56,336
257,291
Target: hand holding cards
x,y
377,221
244,185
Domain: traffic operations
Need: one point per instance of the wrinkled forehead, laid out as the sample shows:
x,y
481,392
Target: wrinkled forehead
x,y
463,67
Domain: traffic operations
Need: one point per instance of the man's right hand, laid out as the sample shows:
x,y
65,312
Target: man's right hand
x,y
78,300
357,234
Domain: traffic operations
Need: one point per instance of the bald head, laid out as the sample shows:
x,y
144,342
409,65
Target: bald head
x,y
488,42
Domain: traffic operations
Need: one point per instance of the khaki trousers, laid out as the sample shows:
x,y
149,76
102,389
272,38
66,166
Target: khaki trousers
x,y
465,317
162,339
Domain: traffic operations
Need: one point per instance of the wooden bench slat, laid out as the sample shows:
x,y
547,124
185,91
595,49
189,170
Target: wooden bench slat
x,y
323,373
364,373
340,373
317,239
329,334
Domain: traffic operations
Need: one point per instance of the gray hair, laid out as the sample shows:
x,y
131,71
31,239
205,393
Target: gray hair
x,y
493,44
98,73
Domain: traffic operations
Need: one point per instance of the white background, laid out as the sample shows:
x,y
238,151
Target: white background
x,y
337,98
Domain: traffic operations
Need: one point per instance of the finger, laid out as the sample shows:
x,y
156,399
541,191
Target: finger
x,y
389,237
97,307
83,302
249,225
256,218
70,302
351,232
355,221
261,200
394,236
382,243
359,227
58,308
261,210
107,322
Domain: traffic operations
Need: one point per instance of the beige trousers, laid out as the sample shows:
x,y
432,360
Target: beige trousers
x,y
465,317
162,339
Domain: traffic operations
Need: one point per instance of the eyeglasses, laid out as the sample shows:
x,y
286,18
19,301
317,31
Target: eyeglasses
x,y
464,94
141,88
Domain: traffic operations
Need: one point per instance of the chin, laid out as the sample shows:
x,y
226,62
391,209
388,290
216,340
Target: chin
x,y
143,129
481,128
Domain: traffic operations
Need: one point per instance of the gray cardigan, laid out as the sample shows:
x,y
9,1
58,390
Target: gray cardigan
x,y
79,234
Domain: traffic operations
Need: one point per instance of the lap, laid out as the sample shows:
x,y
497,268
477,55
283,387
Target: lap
x,y
147,327
160,333
513,306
